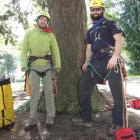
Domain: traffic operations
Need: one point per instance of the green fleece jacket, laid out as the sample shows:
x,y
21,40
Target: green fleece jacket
x,y
39,43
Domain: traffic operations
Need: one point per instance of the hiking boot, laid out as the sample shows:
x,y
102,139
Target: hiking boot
x,y
49,125
79,121
113,128
49,122
29,125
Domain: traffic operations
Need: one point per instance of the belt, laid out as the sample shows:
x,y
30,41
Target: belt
x,y
46,57
108,50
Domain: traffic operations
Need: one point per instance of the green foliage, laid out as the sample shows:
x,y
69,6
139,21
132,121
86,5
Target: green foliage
x,y
7,65
11,13
130,20
41,4
111,11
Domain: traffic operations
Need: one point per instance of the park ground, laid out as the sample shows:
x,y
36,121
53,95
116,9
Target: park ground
x,y
63,128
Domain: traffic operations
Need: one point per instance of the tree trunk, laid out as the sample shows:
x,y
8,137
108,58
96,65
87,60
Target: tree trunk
x,y
68,20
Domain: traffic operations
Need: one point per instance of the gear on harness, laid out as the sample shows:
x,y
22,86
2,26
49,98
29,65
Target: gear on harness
x,y
116,69
31,59
46,57
97,36
109,50
103,78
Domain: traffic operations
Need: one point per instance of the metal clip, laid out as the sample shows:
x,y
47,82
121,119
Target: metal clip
x,y
97,36
110,51
101,50
116,69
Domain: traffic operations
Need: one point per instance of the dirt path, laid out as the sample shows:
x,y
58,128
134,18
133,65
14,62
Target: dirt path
x,y
64,129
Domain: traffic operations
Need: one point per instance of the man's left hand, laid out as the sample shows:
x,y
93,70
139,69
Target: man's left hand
x,y
112,62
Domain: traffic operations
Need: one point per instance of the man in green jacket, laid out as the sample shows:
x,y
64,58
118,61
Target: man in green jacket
x,y
40,57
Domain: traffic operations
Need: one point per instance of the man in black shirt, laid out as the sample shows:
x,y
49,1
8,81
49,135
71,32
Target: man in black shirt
x,y
104,43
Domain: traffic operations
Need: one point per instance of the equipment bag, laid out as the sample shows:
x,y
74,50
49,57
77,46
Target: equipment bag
x,y
7,118
134,103
125,134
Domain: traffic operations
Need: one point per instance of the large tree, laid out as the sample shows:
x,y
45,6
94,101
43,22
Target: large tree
x,y
68,20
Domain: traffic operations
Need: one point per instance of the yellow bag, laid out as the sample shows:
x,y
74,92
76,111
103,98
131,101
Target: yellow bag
x,y
7,117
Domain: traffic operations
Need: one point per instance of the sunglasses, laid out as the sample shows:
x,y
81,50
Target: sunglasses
x,y
95,9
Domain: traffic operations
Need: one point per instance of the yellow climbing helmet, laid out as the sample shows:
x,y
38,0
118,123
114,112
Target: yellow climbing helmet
x,y
43,14
96,3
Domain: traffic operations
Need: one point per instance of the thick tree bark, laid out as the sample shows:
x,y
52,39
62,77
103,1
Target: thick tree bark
x,y
68,20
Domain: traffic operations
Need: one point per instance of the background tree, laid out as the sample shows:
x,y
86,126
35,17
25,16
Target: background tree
x,y
7,65
130,20
11,14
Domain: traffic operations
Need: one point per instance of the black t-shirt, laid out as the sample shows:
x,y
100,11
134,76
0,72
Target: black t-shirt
x,y
102,36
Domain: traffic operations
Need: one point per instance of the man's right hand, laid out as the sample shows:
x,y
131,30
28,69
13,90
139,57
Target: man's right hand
x,y
84,67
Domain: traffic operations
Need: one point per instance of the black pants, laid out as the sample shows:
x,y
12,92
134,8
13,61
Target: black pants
x,y
88,81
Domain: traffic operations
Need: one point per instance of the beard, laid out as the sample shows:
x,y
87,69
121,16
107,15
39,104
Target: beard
x,y
42,26
95,18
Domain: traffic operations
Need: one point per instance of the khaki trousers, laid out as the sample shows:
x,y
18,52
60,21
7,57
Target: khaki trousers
x,y
35,94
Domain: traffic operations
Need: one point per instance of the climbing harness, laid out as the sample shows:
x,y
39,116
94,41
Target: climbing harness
x,y
46,57
103,78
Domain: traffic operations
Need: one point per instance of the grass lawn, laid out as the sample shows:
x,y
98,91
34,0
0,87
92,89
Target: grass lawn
x,y
134,75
